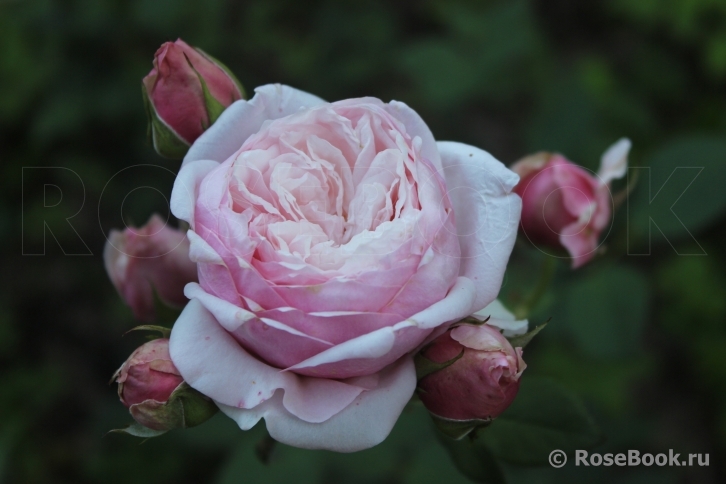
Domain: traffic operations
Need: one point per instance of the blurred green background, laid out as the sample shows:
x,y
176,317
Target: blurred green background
x,y
642,338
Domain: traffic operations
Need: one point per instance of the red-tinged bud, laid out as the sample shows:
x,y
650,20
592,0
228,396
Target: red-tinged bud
x,y
153,258
155,393
482,380
185,93
563,205
148,374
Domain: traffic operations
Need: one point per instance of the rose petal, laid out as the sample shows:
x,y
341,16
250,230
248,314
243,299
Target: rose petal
x,y
212,362
500,317
366,422
186,188
415,126
580,241
614,162
279,344
373,351
487,215
243,118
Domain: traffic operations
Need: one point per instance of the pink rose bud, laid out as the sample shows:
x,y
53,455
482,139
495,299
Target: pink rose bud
x,y
563,205
185,93
148,374
481,383
153,258
157,397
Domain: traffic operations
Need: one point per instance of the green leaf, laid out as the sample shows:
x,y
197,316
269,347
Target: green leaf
x,y
138,430
474,460
458,429
604,311
165,140
680,193
522,340
425,366
544,417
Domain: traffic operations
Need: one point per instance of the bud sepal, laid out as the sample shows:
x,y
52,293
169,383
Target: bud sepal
x,y
185,408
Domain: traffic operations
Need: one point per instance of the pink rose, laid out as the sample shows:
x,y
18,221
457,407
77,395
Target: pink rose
x,y
180,108
565,206
153,258
482,383
332,240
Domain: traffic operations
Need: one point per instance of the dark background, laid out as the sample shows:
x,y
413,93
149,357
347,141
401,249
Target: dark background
x,y
641,338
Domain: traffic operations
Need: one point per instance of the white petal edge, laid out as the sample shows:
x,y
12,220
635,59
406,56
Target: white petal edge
x,y
245,118
614,162
487,215
231,317
364,423
186,188
212,362
500,317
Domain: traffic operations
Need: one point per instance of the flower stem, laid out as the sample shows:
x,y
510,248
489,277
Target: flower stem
x,y
545,277
264,448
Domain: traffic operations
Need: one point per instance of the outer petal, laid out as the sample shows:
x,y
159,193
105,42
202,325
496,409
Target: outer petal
x,y
186,188
244,118
614,161
366,422
580,241
212,362
500,317
369,353
487,215
276,342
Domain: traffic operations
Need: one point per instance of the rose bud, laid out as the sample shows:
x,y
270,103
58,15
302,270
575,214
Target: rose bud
x,y
185,93
482,379
563,205
150,386
148,374
153,258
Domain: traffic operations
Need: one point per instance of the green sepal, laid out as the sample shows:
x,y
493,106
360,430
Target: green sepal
x,y
138,430
196,407
472,321
522,340
458,429
185,408
163,138
215,61
425,366
165,332
214,108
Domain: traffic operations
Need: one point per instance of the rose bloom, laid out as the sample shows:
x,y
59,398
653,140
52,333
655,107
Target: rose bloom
x,y
563,205
332,241
153,259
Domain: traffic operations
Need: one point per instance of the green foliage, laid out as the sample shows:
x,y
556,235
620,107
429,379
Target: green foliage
x,y
544,417
681,194
606,310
